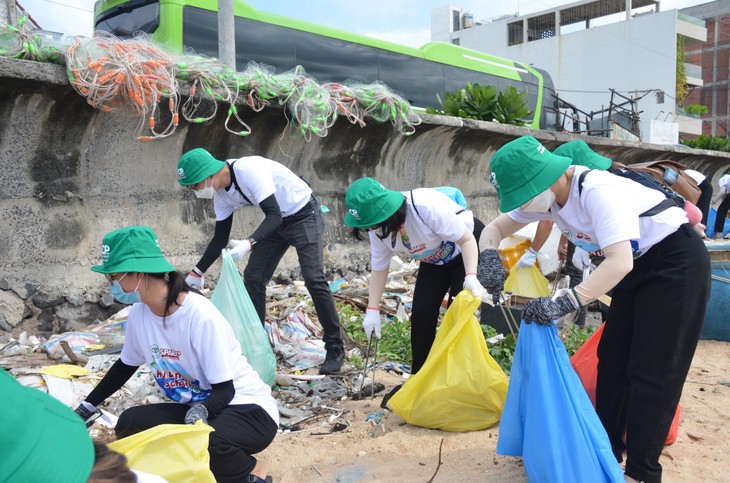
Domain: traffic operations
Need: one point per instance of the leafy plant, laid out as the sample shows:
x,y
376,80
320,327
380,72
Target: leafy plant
x,y
394,344
712,143
485,103
682,89
575,337
511,106
696,109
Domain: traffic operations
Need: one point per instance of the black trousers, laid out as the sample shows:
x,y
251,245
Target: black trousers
x,y
703,203
305,232
240,431
722,214
431,285
647,346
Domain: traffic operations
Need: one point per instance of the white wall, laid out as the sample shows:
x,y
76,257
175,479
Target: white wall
x,y
635,55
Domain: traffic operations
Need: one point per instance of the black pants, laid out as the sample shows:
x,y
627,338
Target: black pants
x,y
722,214
647,346
305,232
703,203
240,431
431,285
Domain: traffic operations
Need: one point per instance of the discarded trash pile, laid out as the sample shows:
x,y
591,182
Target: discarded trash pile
x,y
138,76
69,365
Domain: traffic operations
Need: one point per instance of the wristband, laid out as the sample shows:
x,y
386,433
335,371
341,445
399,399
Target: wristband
x,y
532,250
372,308
470,273
196,271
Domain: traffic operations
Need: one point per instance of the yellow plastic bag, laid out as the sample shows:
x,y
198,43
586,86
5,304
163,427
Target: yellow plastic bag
x,y
460,387
510,255
176,452
527,282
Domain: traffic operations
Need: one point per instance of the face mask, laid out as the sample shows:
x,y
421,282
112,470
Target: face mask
x,y
540,203
206,193
123,297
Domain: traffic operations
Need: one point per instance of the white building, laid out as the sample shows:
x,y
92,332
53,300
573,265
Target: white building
x,y
589,48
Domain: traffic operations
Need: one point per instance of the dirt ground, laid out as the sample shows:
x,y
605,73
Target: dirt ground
x,y
398,452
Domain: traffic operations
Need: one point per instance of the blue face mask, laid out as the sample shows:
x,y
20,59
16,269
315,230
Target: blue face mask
x,y
123,297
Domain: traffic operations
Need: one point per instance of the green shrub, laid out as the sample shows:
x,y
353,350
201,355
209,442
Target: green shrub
x,y
712,143
485,103
696,109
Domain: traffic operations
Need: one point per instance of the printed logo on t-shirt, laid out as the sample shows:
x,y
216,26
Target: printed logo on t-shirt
x,y
173,378
443,254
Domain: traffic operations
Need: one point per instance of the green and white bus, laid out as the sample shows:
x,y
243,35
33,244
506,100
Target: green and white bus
x,y
327,54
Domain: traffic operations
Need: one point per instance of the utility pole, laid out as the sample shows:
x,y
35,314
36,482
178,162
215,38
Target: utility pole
x,y
226,34
11,15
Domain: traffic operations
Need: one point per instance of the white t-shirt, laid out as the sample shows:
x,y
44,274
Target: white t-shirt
x,y
695,175
607,212
430,233
724,182
260,178
195,348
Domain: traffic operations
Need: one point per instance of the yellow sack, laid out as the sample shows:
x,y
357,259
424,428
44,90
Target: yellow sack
x,y
176,452
460,386
527,282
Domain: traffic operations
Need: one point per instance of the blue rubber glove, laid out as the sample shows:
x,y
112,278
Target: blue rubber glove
x,y
544,310
490,272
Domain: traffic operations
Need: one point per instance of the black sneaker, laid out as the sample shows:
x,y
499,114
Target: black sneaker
x,y
333,361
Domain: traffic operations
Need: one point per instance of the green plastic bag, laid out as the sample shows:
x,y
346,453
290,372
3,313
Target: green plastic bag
x,y
231,298
460,386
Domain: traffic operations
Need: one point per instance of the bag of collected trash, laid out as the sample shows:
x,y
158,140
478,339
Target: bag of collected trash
x,y
460,386
232,299
711,217
527,282
548,418
585,363
176,452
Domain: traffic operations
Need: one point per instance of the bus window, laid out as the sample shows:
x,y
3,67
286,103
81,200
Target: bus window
x,y
417,80
333,60
127,22
255,41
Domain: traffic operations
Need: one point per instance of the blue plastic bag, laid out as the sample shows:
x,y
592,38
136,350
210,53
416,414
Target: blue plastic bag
x,y
548,418
232,299
711,216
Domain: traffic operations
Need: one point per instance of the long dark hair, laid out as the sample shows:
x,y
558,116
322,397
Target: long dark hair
x,y
110,466
387,227
175,285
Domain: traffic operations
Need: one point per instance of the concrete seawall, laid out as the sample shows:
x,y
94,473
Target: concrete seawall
x,y
70,174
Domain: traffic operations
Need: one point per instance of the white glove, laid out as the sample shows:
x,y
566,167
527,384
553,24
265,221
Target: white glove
x,y
195,281
472,283
239,248
371,323
528,259
582,259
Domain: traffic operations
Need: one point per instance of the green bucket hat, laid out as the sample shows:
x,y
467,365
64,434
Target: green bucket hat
x,y
196,165
579,152
42,439
369,203
522,169
132,249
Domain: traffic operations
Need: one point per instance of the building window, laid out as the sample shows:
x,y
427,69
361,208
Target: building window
x,y
455,20
515,33
541,27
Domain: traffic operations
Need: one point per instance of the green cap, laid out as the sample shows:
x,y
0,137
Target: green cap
x,y
522,169
579,152
132,249
42,439
369,203
196,165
